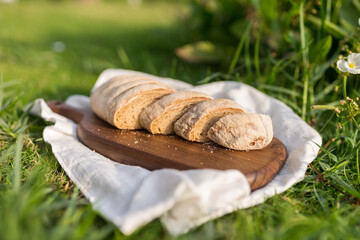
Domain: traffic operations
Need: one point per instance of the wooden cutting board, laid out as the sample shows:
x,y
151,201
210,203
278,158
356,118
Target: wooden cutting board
x,y
140,148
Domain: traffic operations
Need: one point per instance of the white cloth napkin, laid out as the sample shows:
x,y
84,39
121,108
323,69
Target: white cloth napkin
x,y
131,196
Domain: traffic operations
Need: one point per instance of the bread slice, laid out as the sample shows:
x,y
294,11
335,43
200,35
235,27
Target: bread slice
x,y
160,116
125,109
104,96
248,131
195,123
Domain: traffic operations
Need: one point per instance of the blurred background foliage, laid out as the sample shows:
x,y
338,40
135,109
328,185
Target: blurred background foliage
x,y
222,24
56,48
284,47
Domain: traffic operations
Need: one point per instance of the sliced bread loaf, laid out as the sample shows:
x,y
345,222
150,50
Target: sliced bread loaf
x,y
195,123
125,109
160,116
248,131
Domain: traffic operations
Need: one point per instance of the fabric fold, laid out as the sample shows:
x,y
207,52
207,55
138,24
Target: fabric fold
x,y
185,195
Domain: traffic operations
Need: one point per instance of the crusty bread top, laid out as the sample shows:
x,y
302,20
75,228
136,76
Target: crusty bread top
x,y
103,98
112,95
125,76
247,131
187,123
167,103
114,82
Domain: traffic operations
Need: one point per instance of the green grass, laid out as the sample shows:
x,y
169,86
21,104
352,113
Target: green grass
x,y
37,199
96,38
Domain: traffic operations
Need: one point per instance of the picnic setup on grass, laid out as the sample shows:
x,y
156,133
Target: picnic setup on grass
x,y
187,119
185,179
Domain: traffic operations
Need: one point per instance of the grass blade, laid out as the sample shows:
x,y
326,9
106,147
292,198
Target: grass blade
x,y
256,55
322,201
348,188
305,60
1,90
124,58
280,90
6,154
239,49
357,165
17,164
331,27
323,93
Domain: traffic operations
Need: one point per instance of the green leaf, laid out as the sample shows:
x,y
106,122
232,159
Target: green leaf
x,y
349,15
200,52
350,140
356,4
325,167
319,51
319,69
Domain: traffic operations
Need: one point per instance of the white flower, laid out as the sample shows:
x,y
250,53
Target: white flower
x,y
352,65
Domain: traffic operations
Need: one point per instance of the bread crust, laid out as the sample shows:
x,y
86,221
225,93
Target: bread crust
x,y
116,81
102,99
249,131
120,105
204,113
153,116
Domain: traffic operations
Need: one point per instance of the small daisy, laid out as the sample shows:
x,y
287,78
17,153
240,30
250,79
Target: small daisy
x,y
352,65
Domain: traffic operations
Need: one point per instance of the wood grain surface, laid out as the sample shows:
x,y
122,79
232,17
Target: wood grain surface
x,y
141,148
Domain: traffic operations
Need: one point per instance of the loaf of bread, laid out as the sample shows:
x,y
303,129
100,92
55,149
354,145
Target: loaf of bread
x,y
248,131
195,123
135,102
160,116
